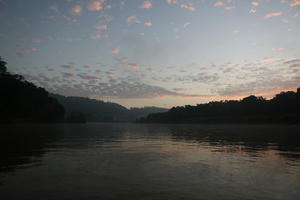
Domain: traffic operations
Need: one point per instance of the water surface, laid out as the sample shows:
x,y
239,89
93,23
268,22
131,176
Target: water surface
x,y
140,161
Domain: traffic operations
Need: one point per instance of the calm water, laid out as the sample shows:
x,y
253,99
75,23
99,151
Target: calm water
x,y
138,161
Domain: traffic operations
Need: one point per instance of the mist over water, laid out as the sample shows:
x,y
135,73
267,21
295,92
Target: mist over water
x,y
149,161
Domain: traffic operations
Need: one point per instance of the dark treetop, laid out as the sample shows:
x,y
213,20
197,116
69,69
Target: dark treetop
x,y
22,101
284,107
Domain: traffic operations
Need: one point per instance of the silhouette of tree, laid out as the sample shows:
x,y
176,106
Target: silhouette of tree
x,y
284,107
3,68
22,101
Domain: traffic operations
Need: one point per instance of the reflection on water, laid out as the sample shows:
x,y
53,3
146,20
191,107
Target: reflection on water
x,y
138,161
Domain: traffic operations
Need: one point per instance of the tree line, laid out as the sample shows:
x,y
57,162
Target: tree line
x,y
22,101
283,108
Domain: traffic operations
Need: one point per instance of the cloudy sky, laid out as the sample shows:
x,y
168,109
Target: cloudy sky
x,y
154,52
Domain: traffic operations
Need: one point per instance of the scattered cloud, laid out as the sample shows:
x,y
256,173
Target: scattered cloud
x,y
101,27
96,36
111,74
89,78
268,59
188,7
150,69
295,3
133,19
171,1
77,10
68,67
274,14
292,62
219,4
134,66
148,24
228,64
87,67
254,3
278,49
265,87
116,50
122,60
229,7
295,66
68,75
186,24
146,4
95,5
252,11
25,50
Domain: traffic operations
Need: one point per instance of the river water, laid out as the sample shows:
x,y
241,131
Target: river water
x,y
149,161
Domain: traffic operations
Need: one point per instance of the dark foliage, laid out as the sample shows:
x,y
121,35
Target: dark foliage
x,y
284,108
22,101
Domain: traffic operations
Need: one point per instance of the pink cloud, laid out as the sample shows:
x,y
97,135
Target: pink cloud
x,y
219,4
189,7
252,11
295,66
133,19
274,14
295,3
27,48
134,66
95,5
150,69
228,64
96,36
77,10
101,27
116,50
236,31
278,49
268,59
171,1
30,48
254,3
146,4
148,24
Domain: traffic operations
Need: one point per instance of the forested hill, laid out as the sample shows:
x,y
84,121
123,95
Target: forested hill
x,y
100,111
283,108
22,101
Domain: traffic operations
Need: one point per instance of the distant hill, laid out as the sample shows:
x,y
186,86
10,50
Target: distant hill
x,y
100,111
283,108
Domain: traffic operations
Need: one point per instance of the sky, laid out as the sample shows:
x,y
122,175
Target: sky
x,y
154,52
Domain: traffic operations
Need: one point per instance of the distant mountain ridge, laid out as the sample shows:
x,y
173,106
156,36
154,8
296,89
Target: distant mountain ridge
x,y
100,111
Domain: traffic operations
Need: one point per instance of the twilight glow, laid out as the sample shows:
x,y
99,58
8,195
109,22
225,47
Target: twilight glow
x,y
154,52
